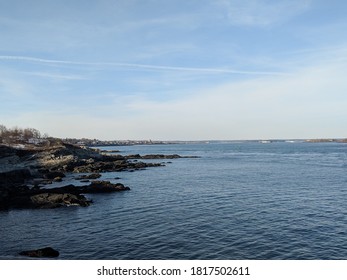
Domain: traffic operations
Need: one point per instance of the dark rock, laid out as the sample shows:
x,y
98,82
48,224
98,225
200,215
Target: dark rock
x,y
110,151
14,196
57,179
6,151
46,252
53,174
104,187
133,156
89,176
91,160
43,170
93,187
160,156
113,166
55,200
15,177
155,156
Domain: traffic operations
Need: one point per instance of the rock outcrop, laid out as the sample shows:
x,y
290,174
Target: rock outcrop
x,y
157,156
103,187
55,200
24,166
93,187
22,197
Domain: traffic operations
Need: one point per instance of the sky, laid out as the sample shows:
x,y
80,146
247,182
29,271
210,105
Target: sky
x,y
175,69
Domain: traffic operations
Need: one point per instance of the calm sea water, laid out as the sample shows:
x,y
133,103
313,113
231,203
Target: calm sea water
x,y
238,201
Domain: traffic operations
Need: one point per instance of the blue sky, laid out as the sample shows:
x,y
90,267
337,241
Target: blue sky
x,y
175,69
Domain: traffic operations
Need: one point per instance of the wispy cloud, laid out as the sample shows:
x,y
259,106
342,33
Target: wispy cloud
x,y
37,60
310,103
56,76
261,12
139,66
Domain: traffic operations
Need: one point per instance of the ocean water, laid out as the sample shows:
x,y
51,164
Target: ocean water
x,y
237,201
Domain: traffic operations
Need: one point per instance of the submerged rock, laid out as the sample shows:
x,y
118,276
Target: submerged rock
x,y
47,252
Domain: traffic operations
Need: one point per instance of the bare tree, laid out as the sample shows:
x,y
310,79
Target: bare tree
x,y
3,131
18,135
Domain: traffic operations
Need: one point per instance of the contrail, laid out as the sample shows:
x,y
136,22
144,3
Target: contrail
x,y
40,60
139,66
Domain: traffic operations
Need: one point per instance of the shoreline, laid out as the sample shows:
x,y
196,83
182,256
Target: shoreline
x,y
26,171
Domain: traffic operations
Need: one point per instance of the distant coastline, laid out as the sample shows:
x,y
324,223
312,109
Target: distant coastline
x,y
99,143
24,136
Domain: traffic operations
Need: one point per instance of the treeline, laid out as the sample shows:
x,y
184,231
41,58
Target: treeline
x,y
18,135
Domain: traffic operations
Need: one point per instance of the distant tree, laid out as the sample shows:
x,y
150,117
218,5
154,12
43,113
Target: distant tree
x,y
19,135
3,131
27,134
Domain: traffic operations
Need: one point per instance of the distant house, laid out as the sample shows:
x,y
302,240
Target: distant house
x,y
36,141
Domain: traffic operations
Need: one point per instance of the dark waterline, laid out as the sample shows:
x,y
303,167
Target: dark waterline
x,y
238,201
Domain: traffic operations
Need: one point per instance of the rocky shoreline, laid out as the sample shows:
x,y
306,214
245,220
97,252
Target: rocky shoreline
x,y
25,172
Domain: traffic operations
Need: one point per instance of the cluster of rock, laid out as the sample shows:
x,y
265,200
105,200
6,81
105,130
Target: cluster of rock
x,y
70,195
157,156
24,171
